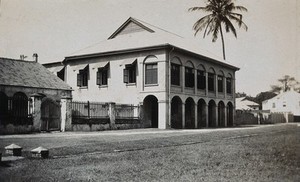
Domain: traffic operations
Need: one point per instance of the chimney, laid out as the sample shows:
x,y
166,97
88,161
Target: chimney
x,y
35,57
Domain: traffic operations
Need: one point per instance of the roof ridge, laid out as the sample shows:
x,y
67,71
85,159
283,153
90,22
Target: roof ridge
x,y
157,27
12,59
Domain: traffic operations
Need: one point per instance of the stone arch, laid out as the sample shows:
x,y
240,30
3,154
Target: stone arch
x,y
150,59
3,108
212,113
201,113
211,70
50,114
189,64
176,112
20,108
201,67
176,60
150,107
189,113
221,73
229,76
230,115
221,114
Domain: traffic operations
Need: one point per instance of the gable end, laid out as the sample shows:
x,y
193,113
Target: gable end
x,y
130,26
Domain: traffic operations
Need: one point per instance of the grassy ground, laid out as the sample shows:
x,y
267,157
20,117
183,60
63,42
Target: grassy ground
x,y
260,154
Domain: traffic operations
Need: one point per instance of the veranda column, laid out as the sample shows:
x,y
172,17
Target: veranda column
x,y
206,83
162,114
216,85
195,81
36,108
225,87
216,116
196,115
182,78
225,116
233,96
206,114
183,115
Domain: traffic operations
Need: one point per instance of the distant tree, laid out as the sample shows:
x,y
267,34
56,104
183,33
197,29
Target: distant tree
x,y
240,94
263,96
286,83
220,13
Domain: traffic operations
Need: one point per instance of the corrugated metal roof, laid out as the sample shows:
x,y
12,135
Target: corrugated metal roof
x,y
28,74
144,39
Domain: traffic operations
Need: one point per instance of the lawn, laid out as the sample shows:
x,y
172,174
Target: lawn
x,y
264,154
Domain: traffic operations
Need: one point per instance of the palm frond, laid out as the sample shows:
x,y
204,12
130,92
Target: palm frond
x,y
197,9
239,22
207,26
229,26
216,32
240,8
201,23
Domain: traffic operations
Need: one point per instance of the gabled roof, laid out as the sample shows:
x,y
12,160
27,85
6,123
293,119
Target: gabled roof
x,y
131,25
288,96
137,35
244,104
28,74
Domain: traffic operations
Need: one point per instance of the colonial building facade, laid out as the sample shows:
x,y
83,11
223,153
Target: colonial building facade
x,y
176,84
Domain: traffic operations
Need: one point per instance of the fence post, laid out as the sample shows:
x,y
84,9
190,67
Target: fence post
x,y
66,114
88,103
112,114
36,108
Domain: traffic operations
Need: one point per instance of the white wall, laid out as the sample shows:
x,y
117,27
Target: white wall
x,y
116,90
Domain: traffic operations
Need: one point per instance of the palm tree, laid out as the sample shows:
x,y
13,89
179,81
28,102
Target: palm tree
x,y
221,13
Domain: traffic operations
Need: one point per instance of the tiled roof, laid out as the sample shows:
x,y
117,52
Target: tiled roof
x,y
28,74
144,39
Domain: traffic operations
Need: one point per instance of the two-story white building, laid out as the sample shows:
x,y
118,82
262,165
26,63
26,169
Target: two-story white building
x,y
176,83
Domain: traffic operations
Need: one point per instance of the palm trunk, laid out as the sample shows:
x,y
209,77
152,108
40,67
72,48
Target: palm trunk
x,y
223,44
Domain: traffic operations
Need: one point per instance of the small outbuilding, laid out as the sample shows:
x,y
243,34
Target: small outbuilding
x,y
31,98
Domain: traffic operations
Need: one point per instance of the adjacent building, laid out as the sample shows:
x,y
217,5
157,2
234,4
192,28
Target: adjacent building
x,y
285,102
31,98
176,84
243,104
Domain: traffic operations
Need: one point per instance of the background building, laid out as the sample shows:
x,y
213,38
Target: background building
x,y
285,102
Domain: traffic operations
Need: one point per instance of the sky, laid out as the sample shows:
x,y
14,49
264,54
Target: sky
x,y
55,29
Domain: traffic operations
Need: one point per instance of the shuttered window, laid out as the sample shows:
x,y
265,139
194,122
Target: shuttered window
x,y
102,76
82,77
129,73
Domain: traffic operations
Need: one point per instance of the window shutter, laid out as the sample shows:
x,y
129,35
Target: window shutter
x,y
79,80
99,77
126,75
